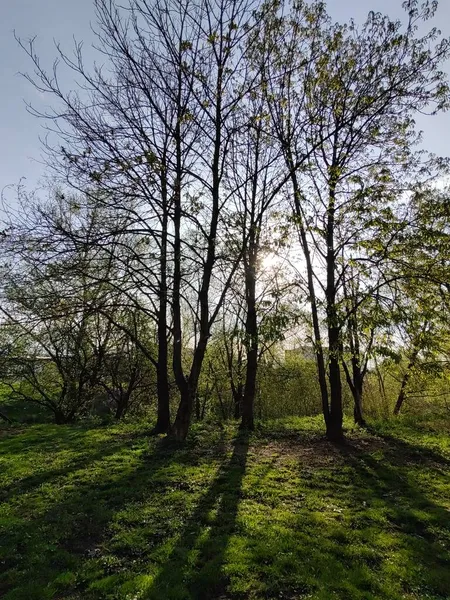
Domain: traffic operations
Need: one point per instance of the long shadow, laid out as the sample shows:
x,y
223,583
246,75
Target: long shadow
x,y
196,564
76,528
83,457
392,484
37,548
418,453
21,439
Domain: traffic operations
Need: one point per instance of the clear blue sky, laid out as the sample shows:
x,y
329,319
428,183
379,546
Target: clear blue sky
x,y
60,20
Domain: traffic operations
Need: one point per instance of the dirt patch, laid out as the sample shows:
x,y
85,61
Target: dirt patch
x,y
317,451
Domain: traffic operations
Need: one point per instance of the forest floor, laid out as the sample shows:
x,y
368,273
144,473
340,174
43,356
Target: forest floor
x,y
109,513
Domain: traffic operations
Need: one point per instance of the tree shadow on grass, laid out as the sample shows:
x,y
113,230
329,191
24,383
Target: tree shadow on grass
x,y
393,493
47,535
401,450
155,520
194,569
84,453
352,522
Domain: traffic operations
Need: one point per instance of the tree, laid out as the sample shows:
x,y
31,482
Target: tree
x,y
68,307
159,140
349,124
255,175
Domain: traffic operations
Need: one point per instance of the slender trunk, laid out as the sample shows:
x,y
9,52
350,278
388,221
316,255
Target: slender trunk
x,y
237,400
358,380
357,410
355,379
162,379
120,409
188,387
335,422
318,348
237,390
163,409
180,427
380,379
251,321
223,408
203,410
405,381
355,383
248,400
188,391
197,407
251,334
334,426
412,363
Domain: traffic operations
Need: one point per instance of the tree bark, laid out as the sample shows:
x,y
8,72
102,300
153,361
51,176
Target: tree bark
x,y
251,321
60,418
355,383
318,348
412,363
188,386
163,410
334,426
162,379
237,400
120,410
251,334
405,381
335,431
180,427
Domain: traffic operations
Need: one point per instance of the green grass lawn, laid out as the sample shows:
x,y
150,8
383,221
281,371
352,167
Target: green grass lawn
x,y
110,513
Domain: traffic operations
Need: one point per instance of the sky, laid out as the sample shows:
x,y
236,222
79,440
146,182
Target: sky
x,y
61,21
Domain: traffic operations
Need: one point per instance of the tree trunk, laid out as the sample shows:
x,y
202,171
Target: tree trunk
x,y
203,409
180,427
188,389
60,418
357,392
237,400
237,390
119,410
335,431
407,375
357,410
358,378
163,411
251,335
248,400
188,385
318,348
197,407
402,393
355,383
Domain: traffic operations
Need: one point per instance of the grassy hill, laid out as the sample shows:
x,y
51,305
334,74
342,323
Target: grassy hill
x,y
109,513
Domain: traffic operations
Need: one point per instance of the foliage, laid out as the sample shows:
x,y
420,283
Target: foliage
x,y
210,138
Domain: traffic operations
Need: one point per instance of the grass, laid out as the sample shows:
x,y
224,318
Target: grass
x,y
108,513
22,411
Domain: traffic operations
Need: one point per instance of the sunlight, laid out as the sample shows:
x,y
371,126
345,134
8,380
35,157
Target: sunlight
x,y
269,261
